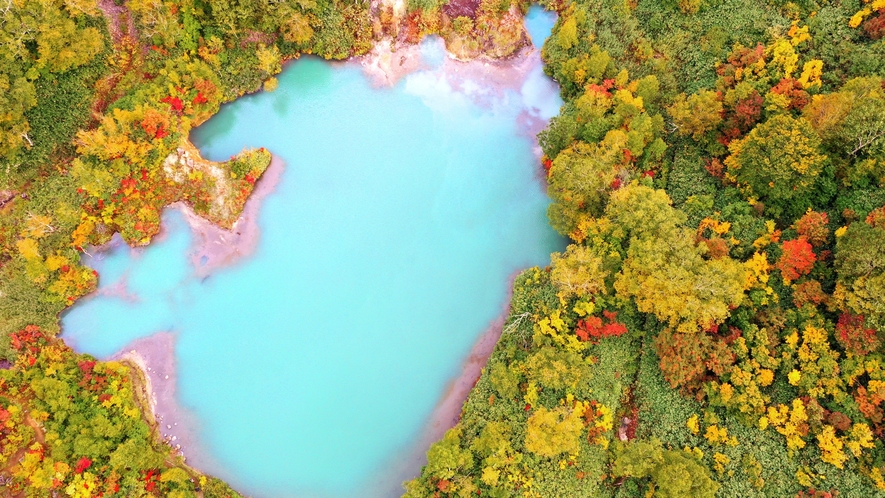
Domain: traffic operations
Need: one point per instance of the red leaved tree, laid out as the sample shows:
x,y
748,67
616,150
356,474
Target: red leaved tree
x,y
797,258
593,327
82,465
853,334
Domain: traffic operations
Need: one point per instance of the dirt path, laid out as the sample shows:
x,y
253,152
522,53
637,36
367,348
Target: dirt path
x,y
39,434
15,459
128,54
116,15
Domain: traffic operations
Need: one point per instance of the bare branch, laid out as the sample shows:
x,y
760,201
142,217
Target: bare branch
x,y
862,143
37,221
517,321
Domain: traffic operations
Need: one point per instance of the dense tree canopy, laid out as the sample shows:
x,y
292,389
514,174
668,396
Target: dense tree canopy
x,y
38,38
860,269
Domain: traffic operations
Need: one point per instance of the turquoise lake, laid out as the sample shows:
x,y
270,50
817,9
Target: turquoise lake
x,y
385,252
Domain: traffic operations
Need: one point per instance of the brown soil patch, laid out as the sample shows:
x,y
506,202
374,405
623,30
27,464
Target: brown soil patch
x,y
457,8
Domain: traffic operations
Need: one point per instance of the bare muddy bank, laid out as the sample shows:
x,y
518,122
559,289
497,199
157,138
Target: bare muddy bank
x,y
155,357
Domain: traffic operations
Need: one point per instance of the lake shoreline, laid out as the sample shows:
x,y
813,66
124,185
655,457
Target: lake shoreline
x,y
447,412
154,358
222,247
215,248
154,355
155,382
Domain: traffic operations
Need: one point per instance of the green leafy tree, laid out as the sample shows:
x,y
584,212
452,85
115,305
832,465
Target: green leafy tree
x,y
581,270
853,119
38,37
157,21
639,211
673,473
665,272
860,270
781,163
558,369
851,123
446,458
426,5
670,278
296,28
698,114
554,432
580,181
505,379
16,97
862,133
567,37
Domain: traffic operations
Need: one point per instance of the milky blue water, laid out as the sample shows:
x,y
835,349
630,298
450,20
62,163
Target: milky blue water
x,y
385,252
539,23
